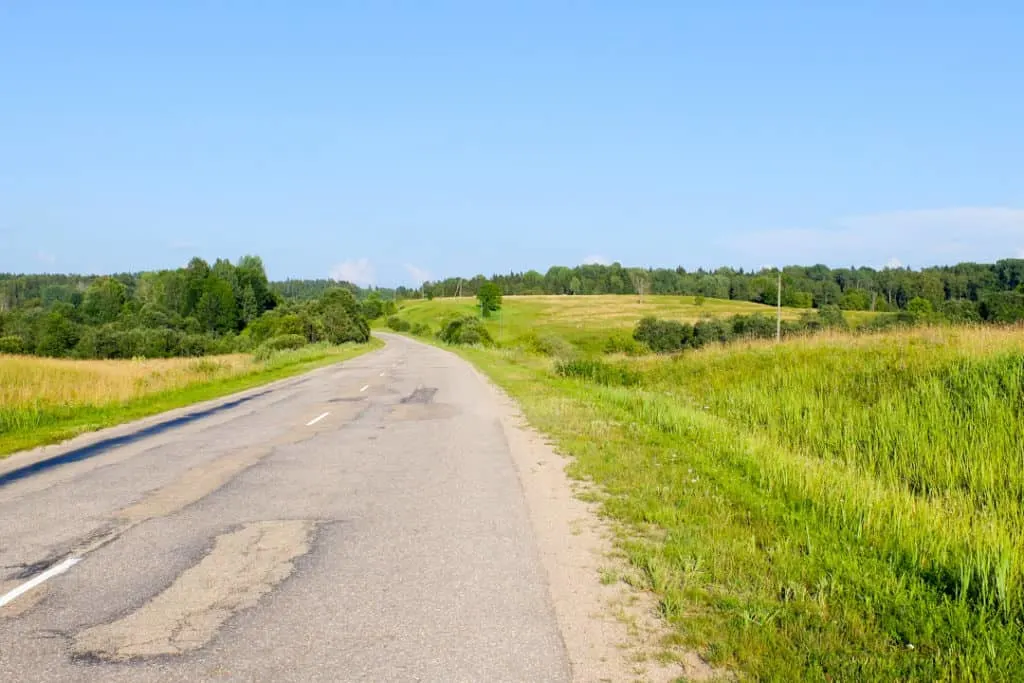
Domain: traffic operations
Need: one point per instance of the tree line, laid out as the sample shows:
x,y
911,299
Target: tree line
x,y
226,307
196,310
966,291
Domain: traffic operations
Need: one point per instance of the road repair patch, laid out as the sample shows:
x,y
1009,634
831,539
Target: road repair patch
x,y
243,566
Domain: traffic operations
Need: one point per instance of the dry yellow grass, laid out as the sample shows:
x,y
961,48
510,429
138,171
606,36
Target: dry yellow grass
x,y
965,340
27,380
620,311
45,400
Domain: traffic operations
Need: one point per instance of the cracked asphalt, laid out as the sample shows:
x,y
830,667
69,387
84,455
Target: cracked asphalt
x,y
389,541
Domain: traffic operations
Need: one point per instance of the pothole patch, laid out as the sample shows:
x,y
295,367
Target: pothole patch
x,y
243,566
421,396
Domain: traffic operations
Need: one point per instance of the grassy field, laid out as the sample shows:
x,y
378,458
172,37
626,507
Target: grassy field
x,y
47,400
587,321
840,508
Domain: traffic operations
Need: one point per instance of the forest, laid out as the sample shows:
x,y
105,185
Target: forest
x,y
192,311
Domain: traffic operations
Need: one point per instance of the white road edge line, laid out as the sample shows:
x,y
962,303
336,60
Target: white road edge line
x,y
317,419
364,388
48,574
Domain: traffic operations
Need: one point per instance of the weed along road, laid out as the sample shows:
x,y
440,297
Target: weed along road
x,y
364,522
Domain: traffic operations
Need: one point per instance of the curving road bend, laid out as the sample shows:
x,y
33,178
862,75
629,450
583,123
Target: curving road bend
x,y
364,522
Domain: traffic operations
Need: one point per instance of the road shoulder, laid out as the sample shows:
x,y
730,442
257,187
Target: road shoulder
x,y
611,630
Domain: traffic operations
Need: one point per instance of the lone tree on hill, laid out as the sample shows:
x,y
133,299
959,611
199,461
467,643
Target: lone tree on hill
x,y
489,296
640,278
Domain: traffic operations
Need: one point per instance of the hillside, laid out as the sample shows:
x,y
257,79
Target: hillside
x,y
588,321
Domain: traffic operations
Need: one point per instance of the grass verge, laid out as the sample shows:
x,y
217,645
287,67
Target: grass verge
x,y
44,401
840,508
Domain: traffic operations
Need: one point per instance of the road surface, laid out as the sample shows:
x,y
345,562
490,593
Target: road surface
x,y
364,522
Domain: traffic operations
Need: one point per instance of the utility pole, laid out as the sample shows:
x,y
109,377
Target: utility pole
x,y
778,309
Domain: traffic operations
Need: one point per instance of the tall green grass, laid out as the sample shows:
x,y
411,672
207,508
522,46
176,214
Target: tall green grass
x,y
926,417
835,508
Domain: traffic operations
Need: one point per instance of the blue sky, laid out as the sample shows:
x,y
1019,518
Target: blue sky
x,y
388,142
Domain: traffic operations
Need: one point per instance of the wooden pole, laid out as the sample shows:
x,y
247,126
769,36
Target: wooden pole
x,y
778,317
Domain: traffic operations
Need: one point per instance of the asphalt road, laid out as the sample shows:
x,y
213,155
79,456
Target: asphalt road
x,y
361,523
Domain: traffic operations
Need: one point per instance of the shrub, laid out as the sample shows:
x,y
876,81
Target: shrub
x,y
832,316
621,343
283,342
131,343
920,307
711,331
598,371
422,330
960,311
372,307
755,326
289,324
98,342
546,344
465,330
398,325
11,344
889,321
340,327
1002,307
231,343
59,335
663,336
194,345
342,318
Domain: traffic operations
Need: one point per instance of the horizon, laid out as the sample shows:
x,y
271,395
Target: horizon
x,y
542,271
388,146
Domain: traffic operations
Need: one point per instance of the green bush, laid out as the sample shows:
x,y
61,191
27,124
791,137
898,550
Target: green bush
x,y
754,326
97,342
132,344
710,332
398,325
1002,307
960,311
194,345
832,316
422,330
372,307
285,341
621,343
59,335
598,371
546,345
11,344
663,336
342,318
229,343
465,330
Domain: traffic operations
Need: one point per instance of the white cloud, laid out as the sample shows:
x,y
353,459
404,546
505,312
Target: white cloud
x,y
45,257
919,238
359,271
894,263
596,260
418,275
